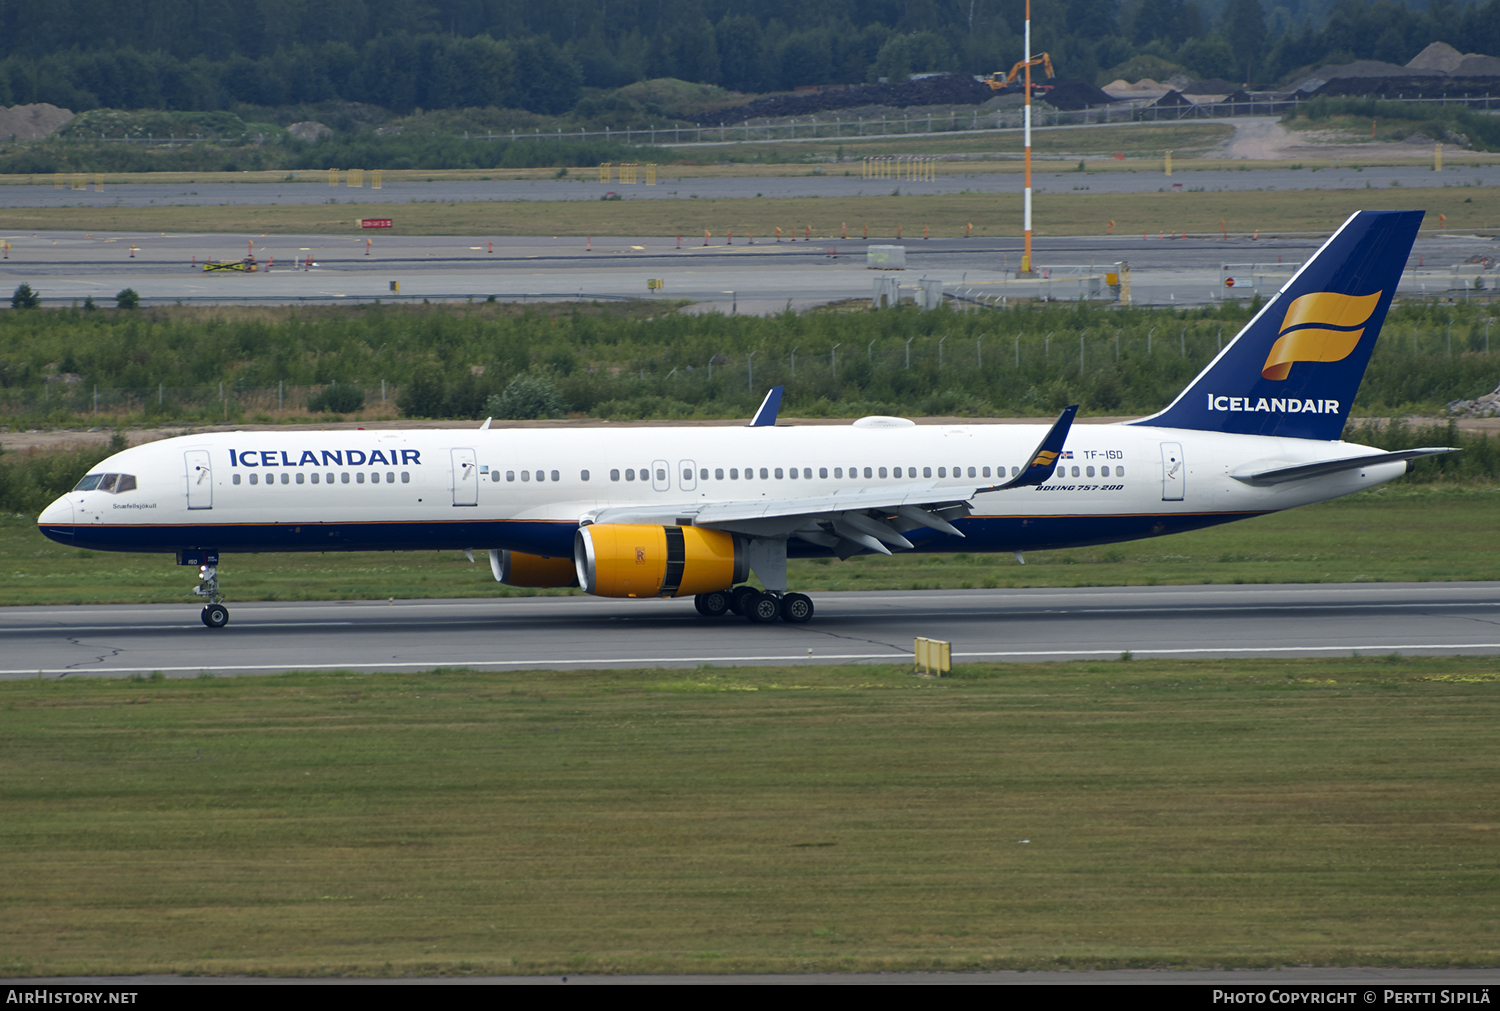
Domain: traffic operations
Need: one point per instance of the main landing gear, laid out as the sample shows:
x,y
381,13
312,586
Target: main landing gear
x,y
215,614
756,605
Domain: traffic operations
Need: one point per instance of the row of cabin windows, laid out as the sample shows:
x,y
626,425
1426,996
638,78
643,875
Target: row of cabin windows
x,y
806,473
767,473
359,477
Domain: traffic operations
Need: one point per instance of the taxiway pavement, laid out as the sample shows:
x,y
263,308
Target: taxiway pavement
x,y
525,633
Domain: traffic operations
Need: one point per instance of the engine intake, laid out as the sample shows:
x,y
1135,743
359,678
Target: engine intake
x,y
632,560
516,568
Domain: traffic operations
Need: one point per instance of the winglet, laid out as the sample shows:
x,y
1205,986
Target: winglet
x,y
768,408
1044,460
486,426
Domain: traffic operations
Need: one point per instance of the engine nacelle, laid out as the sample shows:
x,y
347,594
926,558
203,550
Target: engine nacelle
x,y
516,568
633,560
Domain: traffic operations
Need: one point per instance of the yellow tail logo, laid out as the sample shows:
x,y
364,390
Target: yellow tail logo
x,y
1044,458
1321,327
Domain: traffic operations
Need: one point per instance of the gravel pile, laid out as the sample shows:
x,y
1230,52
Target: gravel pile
x,y
1071,96
32,122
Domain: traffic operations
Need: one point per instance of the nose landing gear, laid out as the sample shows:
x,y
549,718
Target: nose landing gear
x,y
215,614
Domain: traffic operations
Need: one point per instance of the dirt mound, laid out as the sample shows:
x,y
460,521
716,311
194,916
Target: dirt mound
x,y
1170,99
32,122
950,89
1475,65
1071,96
1438,57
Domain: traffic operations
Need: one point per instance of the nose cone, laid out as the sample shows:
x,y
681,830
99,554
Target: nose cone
x,y
56,521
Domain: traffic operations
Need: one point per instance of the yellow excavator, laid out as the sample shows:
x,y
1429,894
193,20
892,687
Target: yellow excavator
x,y
999,81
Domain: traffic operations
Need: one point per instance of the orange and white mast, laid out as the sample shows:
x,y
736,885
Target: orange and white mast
x,y
1026,206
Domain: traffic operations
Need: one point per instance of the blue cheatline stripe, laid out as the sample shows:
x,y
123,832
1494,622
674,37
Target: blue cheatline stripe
x,y
555,538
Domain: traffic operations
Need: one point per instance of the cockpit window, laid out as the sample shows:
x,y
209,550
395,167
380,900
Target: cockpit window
x,y
113,483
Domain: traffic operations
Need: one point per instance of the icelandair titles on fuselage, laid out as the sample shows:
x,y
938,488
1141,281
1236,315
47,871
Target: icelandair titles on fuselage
x,y
330,457
1272,404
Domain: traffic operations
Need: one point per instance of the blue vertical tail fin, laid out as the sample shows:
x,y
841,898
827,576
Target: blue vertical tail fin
x,y
1294,369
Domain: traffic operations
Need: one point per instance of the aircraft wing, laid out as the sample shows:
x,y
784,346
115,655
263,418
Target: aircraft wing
x,y
855,519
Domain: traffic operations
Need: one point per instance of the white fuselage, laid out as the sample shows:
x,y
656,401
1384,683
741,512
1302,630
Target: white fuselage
x,y
529,489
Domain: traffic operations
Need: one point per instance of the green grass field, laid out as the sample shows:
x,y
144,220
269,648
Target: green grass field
x,y
1075,212
1111,814
1405,533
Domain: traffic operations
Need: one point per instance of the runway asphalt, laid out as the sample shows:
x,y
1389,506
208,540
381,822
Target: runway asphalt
x,y
67,267
521,633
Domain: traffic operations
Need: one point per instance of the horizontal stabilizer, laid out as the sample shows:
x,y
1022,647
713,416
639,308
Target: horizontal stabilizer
x,y
1279,475
1044,460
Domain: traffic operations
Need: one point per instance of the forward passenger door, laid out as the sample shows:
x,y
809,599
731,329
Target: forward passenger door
x,y
465,478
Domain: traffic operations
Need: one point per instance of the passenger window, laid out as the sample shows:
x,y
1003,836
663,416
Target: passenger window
x,y
541,475
405,477
734,473
792,474
926,471
687,474
1015,471
510,475
838,472
718,473
328,478
778,473
1104,472
556,476
343,477
314,478
614,474
359,477
882,472
1119,472
703,474
972,472
301,477
254,479
1088,471
526,476
942,472
494,476
896,472
1075,470
374,477
629,474
765,476
661,475
236,479
583,475
822,471
985,472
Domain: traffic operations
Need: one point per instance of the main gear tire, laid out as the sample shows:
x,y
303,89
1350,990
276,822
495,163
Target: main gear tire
x,y
712,605
740,598
796,608
765,607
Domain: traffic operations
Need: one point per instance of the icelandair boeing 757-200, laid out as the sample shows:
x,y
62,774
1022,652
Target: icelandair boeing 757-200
x,y
693,511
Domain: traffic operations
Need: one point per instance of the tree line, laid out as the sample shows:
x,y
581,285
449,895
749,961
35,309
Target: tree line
x,y
172,54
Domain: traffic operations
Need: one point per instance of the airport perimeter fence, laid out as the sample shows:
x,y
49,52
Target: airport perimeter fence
x,y
207,404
